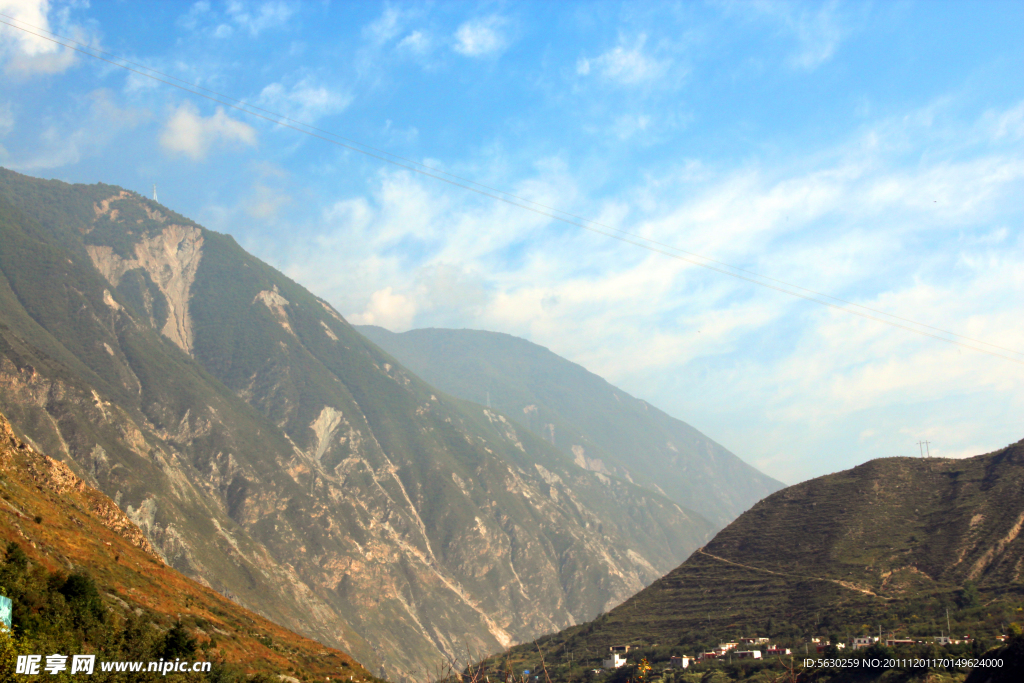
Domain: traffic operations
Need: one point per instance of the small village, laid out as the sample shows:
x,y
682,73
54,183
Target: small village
x,y
757,647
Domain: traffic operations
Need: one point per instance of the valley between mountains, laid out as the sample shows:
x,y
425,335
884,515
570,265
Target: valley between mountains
x,y
272,452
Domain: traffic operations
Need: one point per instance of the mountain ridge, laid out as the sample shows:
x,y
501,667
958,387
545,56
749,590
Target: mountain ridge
x,y
597,425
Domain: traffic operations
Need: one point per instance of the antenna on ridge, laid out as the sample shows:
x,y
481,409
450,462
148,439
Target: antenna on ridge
x,y
154,192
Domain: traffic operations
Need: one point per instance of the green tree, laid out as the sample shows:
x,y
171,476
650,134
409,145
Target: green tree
x,y
10,648
178,643
16,557
969,596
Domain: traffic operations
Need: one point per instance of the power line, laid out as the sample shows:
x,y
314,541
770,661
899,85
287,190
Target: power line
x,y
521,202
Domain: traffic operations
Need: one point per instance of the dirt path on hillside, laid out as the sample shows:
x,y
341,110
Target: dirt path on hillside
x,y
844,584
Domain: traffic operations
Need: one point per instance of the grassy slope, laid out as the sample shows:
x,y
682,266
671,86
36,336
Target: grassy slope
x,y
564,403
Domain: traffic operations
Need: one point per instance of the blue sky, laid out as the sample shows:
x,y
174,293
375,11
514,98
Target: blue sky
x,y
873,151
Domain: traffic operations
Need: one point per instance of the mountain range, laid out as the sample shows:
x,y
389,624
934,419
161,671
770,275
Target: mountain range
x,y
272,452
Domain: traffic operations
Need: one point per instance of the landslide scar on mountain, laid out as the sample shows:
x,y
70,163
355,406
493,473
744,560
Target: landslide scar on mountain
x,y
324,427
171,259
103,208
273,300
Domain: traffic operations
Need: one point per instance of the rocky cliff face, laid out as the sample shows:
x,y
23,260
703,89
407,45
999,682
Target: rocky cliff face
x,y
270,451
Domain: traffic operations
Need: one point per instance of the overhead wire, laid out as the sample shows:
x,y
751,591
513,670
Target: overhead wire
x,y
522,202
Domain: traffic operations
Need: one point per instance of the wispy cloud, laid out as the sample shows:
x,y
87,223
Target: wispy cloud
x,y
482,36
189,133
258,17
251,17
418,42
304,99
626,63
385,27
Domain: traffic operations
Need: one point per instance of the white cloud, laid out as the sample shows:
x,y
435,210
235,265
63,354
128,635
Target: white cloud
x,y
188,132
255,20
25,54
625,64
304,100
481,37
387,309
385,27
417,42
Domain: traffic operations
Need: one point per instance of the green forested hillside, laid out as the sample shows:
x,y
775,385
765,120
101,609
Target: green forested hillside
x,y
268,449
903,546
599,426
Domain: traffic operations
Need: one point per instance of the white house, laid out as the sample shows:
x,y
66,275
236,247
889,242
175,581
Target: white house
x,y
748,654
614,662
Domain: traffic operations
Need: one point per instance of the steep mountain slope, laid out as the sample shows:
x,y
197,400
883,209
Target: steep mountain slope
x,y
893,542
269,450
600,427
66,526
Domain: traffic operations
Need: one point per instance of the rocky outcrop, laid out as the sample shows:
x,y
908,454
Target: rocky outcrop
x,y
171,259
57,477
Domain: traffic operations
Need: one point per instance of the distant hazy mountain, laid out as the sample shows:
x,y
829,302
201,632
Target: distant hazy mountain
x,y
269,450
599,426
64,525
909,545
